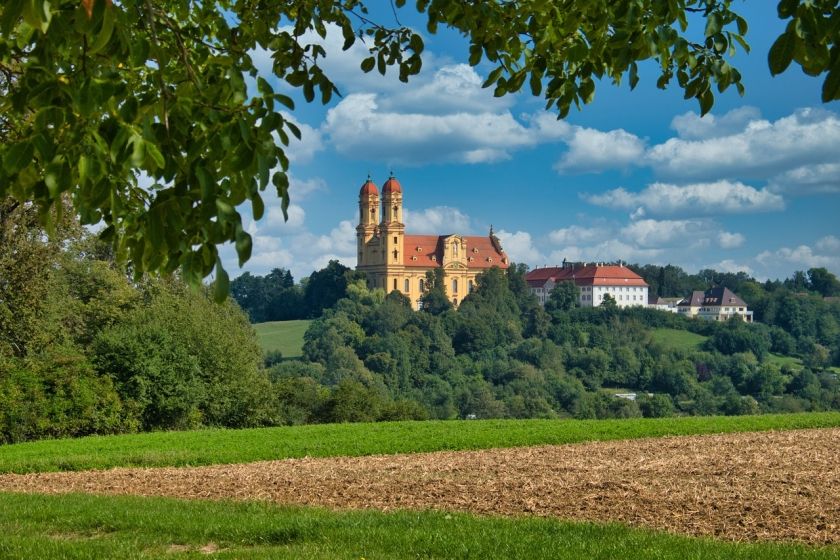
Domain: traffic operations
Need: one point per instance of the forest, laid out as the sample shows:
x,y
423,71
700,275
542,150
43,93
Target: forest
x,y
89,347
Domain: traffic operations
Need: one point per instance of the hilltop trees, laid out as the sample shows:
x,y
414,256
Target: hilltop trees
x,y
95,94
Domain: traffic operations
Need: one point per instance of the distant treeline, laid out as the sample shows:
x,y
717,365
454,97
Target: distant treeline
x,y
85,348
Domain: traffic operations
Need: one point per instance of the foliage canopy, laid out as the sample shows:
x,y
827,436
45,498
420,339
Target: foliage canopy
x,y
95,94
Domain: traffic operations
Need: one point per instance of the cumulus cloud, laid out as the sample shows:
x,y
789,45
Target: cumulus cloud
x,y
760,150
439,219
729,265
592,150
303,150
720,197
660,233
728,240
801,256
358,126
691,126
829,244
519,246
822,178
577,235
609,250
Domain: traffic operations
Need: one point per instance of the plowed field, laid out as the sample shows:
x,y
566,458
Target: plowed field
x,y
749,486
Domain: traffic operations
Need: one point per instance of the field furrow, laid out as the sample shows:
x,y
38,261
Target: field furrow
x,y
748,486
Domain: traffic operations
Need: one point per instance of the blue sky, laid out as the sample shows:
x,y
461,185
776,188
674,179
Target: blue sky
x,y
636,175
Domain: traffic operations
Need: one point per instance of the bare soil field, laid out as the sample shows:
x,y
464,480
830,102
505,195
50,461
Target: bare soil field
x,y
749,486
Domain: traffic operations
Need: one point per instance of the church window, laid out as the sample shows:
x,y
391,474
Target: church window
x,y
407,285
455,286
395,240
455,301
395,211
470,285
395,283
396,255
422,285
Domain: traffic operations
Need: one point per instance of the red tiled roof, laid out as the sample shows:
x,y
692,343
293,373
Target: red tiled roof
x,y
391,186
432,246
368,188
590,275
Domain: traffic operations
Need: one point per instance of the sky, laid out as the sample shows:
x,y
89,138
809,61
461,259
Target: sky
x,y
637,175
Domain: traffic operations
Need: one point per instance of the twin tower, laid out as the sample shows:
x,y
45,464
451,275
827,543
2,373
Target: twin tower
x,y
393,260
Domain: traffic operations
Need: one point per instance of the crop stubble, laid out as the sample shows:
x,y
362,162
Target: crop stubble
x,y
749,486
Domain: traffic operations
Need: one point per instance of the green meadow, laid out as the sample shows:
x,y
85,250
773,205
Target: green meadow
x,y
285,336
82,526
205,447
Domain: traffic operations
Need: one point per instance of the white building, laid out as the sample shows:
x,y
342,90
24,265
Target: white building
x,y
717,304
593,281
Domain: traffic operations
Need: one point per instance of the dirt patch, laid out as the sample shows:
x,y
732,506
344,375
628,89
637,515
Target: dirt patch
x,y
751,486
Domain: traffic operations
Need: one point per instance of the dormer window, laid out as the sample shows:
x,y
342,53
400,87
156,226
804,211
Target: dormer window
x,y
419,249
475,249
434,257
414,257
471,259
489,259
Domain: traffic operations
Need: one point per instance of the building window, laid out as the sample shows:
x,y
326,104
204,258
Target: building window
x,y
395,283
422,285
396,255
455,301
395,240
455,249
470,285
407,285
455,286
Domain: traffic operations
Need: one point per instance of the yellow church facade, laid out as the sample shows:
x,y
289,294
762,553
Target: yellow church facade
x,y
395,260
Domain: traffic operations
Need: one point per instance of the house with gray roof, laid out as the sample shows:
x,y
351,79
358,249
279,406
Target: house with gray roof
x,y
717,304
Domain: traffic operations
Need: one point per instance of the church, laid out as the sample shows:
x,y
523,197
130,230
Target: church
x,y
395,260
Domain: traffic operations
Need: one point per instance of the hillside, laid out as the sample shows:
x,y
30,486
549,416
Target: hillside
x,y
285,336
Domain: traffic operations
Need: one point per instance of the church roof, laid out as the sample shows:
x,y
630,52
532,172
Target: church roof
x,y
368,188
426,251
391,186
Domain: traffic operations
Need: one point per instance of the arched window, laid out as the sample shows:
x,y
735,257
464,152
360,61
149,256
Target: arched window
x,y
470,285
455,286
407,286
455,249
422,285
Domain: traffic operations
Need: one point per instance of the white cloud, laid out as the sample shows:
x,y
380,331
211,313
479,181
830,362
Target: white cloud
x,y
576,235
799,257
691,126
303,150
761,149
520,247
592,150
829,244
440,219
610,250
822,178
659,233
697,199
728,240
728,265
358,126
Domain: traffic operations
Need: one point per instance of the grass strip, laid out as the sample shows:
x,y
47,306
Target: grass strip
x,y
83,526
285,336
206,447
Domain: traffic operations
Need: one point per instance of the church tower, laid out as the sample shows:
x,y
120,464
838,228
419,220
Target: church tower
x,y
368,217
392,228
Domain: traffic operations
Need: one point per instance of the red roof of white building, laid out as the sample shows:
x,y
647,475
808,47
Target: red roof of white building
x,y
586,275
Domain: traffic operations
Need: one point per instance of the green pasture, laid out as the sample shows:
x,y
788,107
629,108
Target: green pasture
x,y
675,339
205,447
82,526
285,336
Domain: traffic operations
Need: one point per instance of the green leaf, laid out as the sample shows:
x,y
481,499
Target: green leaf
x,y
18,156
713,24
368,64
105,31
781,53
153,154
221,287
243,245
11,14
707,99
831,86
